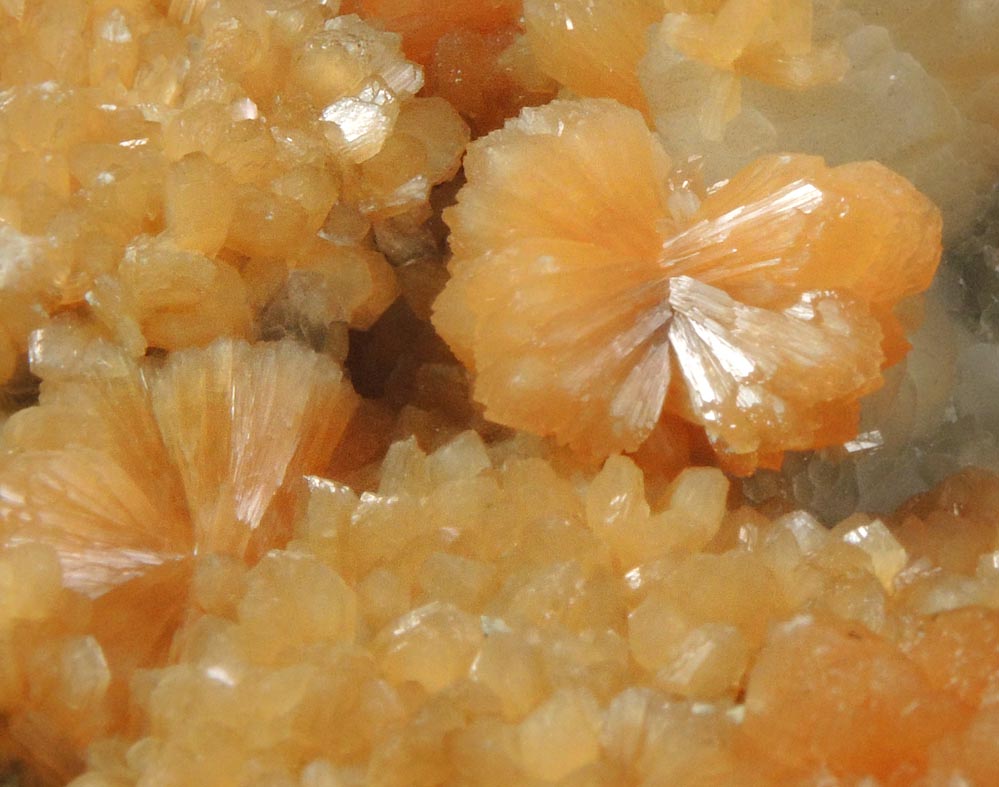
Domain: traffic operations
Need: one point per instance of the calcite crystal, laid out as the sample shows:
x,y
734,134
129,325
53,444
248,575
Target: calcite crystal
x,y
885,105
333,456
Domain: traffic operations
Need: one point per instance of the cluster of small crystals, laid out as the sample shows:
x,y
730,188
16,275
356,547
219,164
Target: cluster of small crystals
x,y
225,169
117,487
497,615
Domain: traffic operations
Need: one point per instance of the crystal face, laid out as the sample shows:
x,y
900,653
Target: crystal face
x,y
438,392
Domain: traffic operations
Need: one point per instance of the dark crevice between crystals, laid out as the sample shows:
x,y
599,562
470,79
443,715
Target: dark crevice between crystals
x,y
976,261
19,391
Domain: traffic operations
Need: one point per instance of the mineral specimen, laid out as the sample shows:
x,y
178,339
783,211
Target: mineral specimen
x,y
260,524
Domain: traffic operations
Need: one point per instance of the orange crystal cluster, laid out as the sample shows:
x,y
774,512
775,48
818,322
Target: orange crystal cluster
x,y
475,54
177,173
484,617
333,456
761,310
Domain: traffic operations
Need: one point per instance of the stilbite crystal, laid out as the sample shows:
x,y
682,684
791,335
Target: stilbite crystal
x,y
588,333
132,472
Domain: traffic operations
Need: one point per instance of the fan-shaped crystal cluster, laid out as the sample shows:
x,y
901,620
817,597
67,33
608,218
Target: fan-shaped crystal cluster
x,y
761,311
